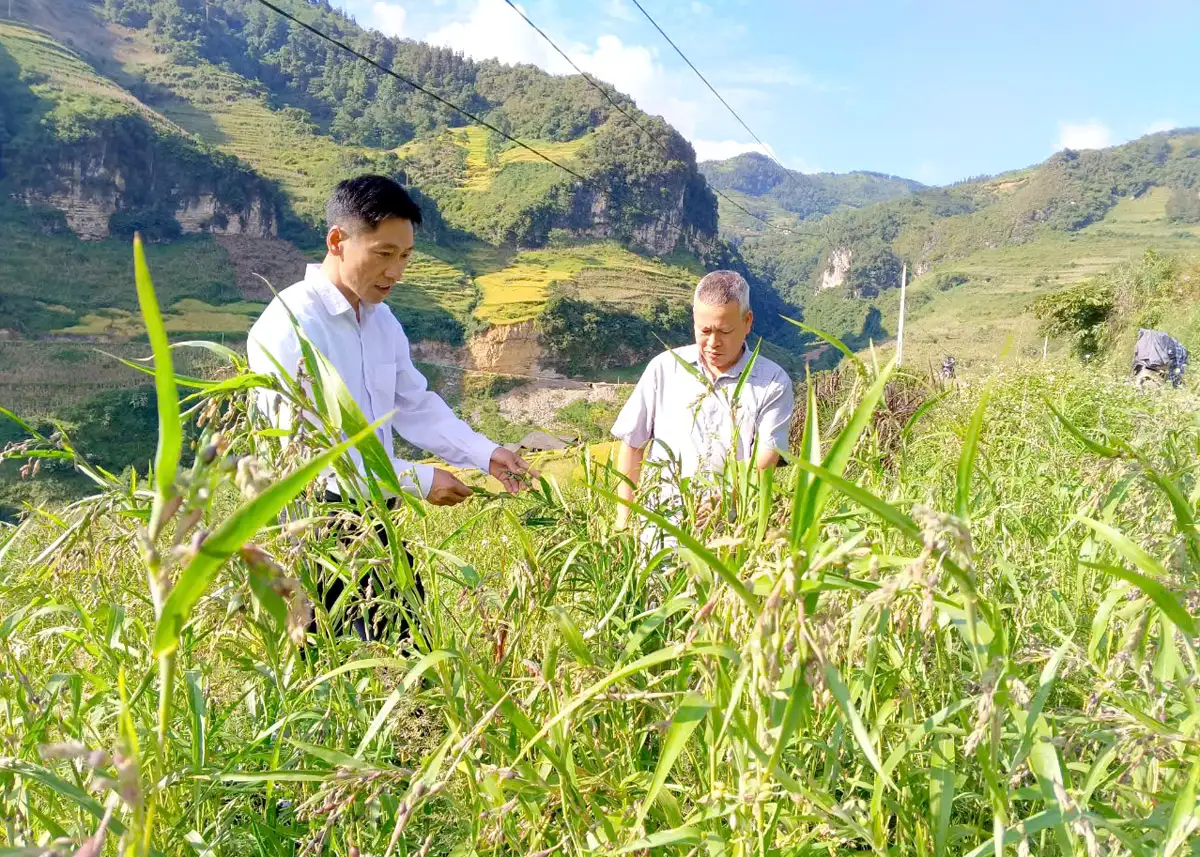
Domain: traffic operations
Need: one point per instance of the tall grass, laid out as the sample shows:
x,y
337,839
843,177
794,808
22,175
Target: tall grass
x,y
978,641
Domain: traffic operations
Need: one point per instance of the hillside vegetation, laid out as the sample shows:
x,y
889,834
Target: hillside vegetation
x,y
978,252
1001,656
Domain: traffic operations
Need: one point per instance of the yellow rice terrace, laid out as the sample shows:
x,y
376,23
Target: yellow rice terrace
x,y
964,627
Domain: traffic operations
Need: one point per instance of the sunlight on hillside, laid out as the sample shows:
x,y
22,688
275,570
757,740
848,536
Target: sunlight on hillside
x,y
62,76
519,291
186,316
481,171
988,316
431,282
225,111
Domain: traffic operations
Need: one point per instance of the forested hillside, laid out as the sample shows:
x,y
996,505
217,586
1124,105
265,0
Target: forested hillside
x,y
979,250
767,189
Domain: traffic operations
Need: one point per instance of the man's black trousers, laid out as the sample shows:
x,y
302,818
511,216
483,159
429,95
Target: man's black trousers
x,y
365,617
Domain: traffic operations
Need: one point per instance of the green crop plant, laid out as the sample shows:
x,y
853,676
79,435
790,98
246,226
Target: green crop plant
x,y
972,636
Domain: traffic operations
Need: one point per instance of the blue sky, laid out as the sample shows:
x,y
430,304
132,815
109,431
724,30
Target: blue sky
x,y
929,89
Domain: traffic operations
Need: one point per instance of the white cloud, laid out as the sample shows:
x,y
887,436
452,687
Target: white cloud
x,y
491,30
618,9
494,31
388,18
1092,134
1162,125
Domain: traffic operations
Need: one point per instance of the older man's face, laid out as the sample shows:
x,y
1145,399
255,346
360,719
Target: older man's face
x,y
721,333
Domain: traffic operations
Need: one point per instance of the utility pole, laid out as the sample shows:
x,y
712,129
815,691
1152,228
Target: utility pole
x,y
1045,347
900,327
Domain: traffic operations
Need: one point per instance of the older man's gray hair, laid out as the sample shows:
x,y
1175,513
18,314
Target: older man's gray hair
x,y
720,287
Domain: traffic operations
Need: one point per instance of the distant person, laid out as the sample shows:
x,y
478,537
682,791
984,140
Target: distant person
x,y
948,368
1158,357
340,307
673,416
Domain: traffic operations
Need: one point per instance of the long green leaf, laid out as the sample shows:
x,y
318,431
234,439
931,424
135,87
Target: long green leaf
x,y
678,836
377,723
1184,814
1091,445
810,450
363,664
1126,548
1163,598
966,462
941,792
344,413
863,738
692,711
571,634
170,431
643,663
689,541
832,340
1034,824
839,454
24,426
234,532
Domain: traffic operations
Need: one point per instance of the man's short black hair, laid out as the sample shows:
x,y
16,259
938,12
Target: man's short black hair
x,y
365,201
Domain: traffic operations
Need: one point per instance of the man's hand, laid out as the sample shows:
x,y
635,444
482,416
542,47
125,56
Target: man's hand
x,y
447,490
510,470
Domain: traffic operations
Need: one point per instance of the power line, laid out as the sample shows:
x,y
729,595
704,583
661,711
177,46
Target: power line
x,y
476,119
596,86
766,149
711,88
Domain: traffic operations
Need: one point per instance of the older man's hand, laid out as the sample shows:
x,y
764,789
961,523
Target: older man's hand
x,y
510,470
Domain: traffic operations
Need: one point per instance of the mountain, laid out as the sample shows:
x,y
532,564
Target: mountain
x,y
767,189
217,129
978,252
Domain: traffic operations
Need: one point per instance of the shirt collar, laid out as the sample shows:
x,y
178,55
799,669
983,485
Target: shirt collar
x,y
335,302
734,371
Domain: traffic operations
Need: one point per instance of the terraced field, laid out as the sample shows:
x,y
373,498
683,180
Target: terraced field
x,y
481,170
430,282
988,316
602,271
65,79
227,111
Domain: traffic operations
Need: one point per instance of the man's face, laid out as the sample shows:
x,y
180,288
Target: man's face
x,y
371,261
721,333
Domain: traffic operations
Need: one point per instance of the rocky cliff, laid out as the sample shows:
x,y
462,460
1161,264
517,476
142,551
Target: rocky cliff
x,y
836,268
118,174
503,349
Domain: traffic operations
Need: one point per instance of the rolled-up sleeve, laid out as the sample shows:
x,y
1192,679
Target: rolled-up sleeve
x,y
775,417
425,420
635,423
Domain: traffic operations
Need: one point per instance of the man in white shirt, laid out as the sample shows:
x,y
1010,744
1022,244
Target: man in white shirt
x,y
695,421
340,307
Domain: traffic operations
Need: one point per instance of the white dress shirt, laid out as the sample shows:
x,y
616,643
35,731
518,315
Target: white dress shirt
x,y
687,420
372,357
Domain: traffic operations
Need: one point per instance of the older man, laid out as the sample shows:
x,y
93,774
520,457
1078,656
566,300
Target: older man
x,y
340,307
683,408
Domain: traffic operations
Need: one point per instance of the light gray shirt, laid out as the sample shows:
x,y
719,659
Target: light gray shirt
x,y
685,419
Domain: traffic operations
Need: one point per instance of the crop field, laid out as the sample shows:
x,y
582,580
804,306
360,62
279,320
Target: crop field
x,y
520,290
961,621
480,171
988,316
